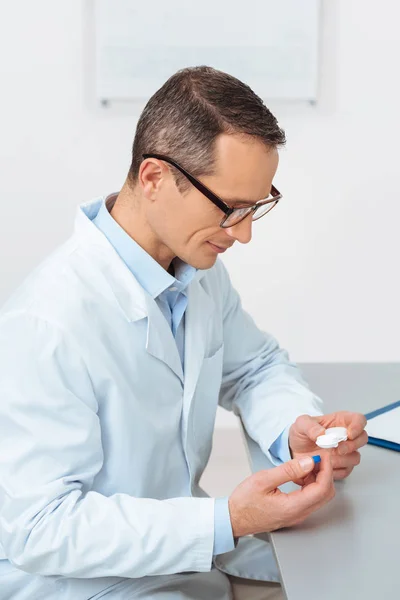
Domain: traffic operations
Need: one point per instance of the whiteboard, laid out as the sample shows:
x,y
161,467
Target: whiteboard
x,y
272,45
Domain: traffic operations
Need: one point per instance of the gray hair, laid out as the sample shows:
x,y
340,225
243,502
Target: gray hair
x,y
184,117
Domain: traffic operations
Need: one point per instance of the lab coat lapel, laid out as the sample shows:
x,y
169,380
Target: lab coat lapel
x,y
160,342
137,304
134,301
197,321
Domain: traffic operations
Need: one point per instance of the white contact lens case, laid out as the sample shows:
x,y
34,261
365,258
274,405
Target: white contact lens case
x,y
332,437
339,432
327,441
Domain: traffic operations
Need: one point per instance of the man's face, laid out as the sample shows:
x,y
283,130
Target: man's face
x,y
188,226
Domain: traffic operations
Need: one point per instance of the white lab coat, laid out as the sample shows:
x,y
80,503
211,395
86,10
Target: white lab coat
x,y
95,413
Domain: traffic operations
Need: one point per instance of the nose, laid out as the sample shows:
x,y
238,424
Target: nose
x,y
242,232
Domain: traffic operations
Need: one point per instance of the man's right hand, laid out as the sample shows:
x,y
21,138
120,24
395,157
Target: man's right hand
x,y
258,506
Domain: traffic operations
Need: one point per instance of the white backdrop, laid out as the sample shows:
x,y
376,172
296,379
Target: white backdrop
x,y
322,270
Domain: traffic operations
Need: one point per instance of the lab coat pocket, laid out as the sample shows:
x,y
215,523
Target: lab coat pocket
x,y
206,400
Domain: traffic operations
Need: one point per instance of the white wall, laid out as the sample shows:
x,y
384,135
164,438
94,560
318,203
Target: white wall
x,y
322,270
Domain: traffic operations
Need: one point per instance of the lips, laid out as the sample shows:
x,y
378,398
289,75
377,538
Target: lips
x,y
219,248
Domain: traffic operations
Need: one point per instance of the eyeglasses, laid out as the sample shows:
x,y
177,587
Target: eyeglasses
x,y
233,216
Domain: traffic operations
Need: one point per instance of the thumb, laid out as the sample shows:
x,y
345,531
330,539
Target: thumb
x,y
309,427
293,470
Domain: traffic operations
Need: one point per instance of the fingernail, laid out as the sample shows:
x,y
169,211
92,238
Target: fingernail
x,y
306,463
342,450
316,459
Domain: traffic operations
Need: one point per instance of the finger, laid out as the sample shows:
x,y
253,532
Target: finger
x,y
339,474
311,477
321,490
309,427
357,425
352,445
301,513
329,495
293,470
354,422
324,476
343,462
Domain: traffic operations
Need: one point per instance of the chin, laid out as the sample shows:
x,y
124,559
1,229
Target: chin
x,y
205,263
202,262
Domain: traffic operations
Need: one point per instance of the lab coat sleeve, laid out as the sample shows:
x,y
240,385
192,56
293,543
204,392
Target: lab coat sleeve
x,y
260,383
51,520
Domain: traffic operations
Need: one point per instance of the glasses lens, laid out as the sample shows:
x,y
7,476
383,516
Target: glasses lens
x,y
263,210
241,213
238,215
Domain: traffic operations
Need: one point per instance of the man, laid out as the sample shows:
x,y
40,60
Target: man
x,y
114,356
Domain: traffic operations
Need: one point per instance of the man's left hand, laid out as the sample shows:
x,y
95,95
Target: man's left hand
x,y
304,432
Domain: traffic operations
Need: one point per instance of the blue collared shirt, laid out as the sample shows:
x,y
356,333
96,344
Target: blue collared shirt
x,y
169,292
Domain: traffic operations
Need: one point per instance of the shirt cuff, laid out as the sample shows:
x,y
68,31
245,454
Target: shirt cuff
x,y
280,448
223,536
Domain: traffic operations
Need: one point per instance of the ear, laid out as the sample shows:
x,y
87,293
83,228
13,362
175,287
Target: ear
x,y
152,174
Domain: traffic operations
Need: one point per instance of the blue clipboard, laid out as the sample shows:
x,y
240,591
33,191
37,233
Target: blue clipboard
x,y
377,441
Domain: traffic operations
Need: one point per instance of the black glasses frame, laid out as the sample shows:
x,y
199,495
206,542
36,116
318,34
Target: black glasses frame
x,y
226,209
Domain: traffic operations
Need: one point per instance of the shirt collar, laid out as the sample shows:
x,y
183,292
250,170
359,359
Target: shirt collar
x,y
148,272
